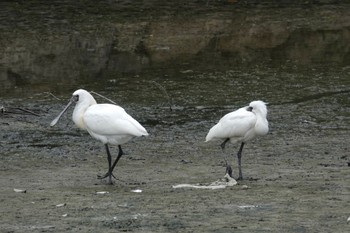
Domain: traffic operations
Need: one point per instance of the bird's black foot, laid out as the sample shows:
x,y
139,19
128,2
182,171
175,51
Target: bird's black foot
x,y
229,171
110,182
240,178
105,176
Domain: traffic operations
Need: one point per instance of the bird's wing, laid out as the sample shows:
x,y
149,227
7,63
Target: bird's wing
x,y
234,124
109,119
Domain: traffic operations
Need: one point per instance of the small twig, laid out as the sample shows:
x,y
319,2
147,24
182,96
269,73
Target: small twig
x,y
103,97
49,93
165,93
25,110
4,110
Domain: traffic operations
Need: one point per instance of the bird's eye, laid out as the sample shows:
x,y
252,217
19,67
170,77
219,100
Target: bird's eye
x,y
250,108
76,98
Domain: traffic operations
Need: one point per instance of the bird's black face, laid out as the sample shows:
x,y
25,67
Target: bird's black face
x,y
75,98
249,109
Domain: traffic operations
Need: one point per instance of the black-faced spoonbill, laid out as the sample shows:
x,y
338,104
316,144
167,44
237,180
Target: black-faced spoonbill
x,y
241,126
107,123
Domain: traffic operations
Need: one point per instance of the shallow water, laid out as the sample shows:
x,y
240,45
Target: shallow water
x,y
297,175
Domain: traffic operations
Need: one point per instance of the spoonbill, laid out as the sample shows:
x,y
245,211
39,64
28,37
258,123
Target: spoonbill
x,y
241,126
107,123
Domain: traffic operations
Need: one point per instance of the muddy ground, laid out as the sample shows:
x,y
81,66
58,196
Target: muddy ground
x,y
296,177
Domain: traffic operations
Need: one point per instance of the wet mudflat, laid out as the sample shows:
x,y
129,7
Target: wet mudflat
x,y
296,177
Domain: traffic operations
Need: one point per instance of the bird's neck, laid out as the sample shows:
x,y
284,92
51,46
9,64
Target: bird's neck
x,y
261,125
78,113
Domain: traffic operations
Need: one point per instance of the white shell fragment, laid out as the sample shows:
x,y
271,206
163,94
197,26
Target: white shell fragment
x,y
186,71
124,205
20,190
248,206
227,181
198,186
136,191
102,192
61,205
64,215
348,220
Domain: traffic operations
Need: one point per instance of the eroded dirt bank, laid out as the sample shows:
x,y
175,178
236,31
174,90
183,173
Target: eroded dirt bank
x,y
67,42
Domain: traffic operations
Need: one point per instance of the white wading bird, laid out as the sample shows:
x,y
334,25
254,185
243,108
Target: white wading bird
x,y
241,126
107,123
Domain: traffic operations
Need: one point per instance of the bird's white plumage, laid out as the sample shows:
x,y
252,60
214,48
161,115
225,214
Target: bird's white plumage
x,y
107,123
234,125
241,125
111,124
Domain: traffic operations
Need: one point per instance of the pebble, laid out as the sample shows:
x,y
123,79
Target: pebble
x,y
20,190
102,192
136,191
61,205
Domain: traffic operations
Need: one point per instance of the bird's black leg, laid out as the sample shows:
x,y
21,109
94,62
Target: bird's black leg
x,y
239,156
228,167
120,153
111,168
109,158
